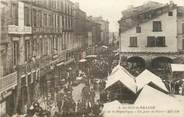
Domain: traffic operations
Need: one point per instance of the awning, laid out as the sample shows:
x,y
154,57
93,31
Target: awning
x,y
147,77
104,46
119,74
69,61
177,67
161,101
54,61
123,70
59,64
150,103
82,60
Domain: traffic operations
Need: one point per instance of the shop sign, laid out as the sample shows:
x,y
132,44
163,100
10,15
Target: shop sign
x,y
13,29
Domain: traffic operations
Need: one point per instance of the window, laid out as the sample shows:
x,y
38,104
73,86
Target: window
x,y
183,28
26,17
41,46
156,41
52,44
50,20
138,29
157,27
40,18
170,13
45,20
55,20
66,22
56,41
34,17
133,41
27,50
34,46
58,21
45,46
179,14
61,21
150,41
15,52
63,41
160,41
14,14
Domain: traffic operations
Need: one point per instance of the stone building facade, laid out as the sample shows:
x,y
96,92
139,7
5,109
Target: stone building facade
x,y
39,41
104,25
152,35
94,34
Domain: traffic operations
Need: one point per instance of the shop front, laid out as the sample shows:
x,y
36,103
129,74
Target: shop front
x,y
7,103
60,75
3,109
44,80
23,100
8,92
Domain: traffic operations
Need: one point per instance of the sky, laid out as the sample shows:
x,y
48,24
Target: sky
x,y
111,9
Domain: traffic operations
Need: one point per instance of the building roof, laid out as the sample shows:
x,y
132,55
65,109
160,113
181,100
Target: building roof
x,y
147,77
120,75
180,10
151,5
144,13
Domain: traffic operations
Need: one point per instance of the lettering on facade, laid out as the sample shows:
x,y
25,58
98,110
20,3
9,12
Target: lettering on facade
x,y
12,29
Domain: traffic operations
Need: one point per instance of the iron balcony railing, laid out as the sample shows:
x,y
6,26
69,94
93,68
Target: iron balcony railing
x,y
7,82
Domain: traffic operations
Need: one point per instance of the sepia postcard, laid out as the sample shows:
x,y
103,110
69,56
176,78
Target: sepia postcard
x,y
91,58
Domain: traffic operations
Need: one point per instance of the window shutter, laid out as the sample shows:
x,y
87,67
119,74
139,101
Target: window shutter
x,y
157,26
150,41
133,41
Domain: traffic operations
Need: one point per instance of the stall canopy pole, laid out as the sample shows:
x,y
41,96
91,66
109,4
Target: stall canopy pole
x,y
119,59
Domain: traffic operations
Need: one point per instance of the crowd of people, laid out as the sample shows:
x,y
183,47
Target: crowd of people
x,y
65,106
93,76
89,105
100,68
177,87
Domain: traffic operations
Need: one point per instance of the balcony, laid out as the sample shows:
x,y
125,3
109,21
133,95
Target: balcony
x,y
13,29
7,82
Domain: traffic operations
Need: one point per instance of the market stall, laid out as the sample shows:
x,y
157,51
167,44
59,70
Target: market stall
x,y
121,85
148,78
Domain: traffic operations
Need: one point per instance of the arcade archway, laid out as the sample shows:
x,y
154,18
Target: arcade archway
x,y
161,66
137,61
161,62
136,65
